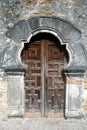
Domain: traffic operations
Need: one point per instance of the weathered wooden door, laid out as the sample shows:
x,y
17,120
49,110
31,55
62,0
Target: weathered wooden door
x,y
44,80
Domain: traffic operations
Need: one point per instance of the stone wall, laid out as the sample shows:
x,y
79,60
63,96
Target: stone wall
x,y
12,11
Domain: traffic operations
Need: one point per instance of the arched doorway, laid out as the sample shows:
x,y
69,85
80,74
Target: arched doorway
x,y
45,59
11,63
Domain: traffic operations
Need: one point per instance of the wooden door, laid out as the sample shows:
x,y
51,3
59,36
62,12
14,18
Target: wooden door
x,y
55,63
44,83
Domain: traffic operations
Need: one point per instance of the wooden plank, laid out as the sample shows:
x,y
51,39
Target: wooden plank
x,y
42,79
46,42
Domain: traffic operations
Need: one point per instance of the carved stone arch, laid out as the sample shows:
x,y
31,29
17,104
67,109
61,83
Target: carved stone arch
x,y
68,34
64,30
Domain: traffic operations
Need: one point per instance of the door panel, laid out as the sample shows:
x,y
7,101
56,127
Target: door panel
x,y
32,58
44,83
55,82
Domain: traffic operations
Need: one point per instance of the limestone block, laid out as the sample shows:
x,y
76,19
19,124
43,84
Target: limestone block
x,y
3,96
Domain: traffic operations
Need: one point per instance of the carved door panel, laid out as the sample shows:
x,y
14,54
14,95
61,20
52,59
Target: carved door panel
x,y
55,61
44,84
32,59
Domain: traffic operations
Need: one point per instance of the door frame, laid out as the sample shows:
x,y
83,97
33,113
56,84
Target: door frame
x,y
68,35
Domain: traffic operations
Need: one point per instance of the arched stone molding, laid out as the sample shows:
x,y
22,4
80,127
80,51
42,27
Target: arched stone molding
x,y
67,34
62,29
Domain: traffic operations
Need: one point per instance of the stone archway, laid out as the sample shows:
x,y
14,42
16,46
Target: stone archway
x,y
69,35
